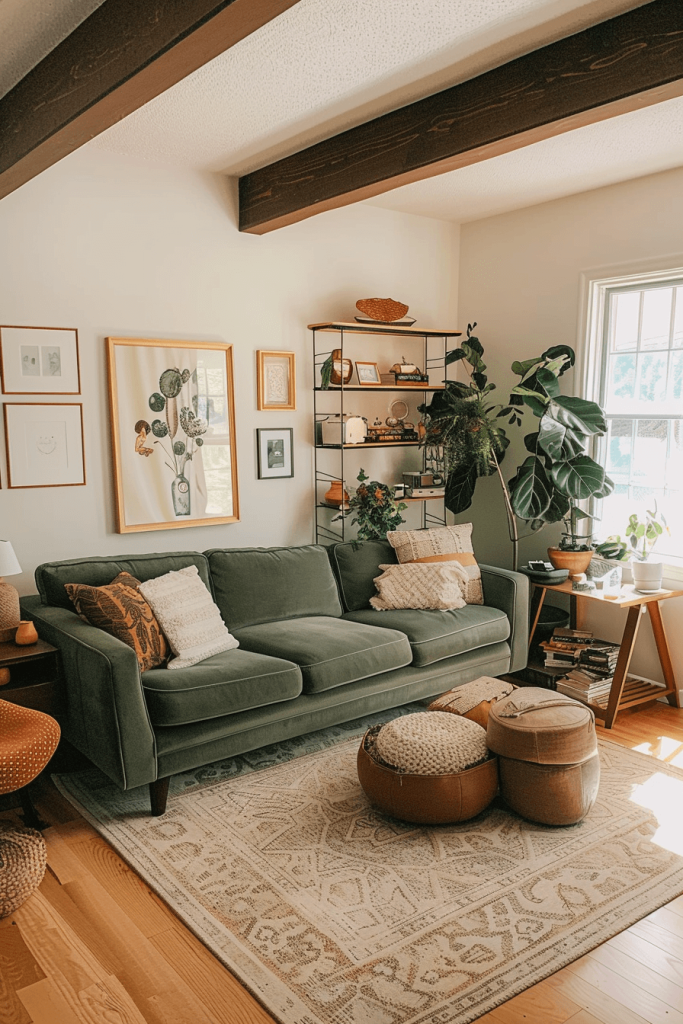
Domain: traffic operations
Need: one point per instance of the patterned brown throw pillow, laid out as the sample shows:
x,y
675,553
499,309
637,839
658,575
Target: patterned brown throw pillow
x,y
121,610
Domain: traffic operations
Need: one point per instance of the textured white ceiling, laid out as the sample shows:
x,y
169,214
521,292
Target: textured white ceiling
x,y
29,29
327,64
641,142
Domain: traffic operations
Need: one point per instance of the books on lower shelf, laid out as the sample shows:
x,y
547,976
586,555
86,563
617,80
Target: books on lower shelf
x,y
571,647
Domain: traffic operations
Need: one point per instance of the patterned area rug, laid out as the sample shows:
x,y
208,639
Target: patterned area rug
x,y
331,913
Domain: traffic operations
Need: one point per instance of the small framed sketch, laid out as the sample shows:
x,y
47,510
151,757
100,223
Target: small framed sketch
x,y
44,444
368,374
275,379
275,452
39,361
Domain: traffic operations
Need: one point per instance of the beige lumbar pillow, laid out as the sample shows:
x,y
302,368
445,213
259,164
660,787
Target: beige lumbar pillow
x,y
188,616
431,743
420,586
445,544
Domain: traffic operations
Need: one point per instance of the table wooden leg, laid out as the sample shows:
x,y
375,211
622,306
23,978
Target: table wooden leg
x,y
628,642
536,605
664,653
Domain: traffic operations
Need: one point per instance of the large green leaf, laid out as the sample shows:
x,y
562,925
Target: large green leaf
x,y
606,489
559,441
548,381
530,442
460,488
454,355
530,489
556,352
557,509
579,478
578,414
522,367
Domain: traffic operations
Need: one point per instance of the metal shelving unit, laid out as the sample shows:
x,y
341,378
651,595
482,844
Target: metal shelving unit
x,y
330,529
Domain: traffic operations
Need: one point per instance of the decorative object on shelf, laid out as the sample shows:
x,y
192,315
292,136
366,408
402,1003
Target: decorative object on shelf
x,y
335,371
605,575
374,509
347,429
39,361
337,496
10,614
44,444
26,633
384,311
368,374
275,380
405,321
549,576
175,456
275,450
408,374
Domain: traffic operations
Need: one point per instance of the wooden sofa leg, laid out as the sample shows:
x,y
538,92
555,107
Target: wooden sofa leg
x,y
158,794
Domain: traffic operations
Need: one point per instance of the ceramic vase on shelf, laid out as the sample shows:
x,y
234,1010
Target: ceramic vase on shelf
x,y
337,496
26,633
647,576
342,369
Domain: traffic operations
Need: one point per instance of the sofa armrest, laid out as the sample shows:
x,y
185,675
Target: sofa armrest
x,y
509,591
106,716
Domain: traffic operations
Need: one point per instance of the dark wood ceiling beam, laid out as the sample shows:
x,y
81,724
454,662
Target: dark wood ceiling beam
x,y
123,55
626,62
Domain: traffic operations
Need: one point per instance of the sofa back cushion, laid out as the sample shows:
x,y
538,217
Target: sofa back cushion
x,y
101,571
254,585
356,566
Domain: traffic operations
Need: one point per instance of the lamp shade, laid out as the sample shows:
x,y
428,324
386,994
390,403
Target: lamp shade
x,y
9,566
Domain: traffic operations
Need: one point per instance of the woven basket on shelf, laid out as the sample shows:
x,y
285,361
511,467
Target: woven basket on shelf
x,y
23,858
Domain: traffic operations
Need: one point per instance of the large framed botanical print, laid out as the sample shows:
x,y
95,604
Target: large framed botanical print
x,y
173,433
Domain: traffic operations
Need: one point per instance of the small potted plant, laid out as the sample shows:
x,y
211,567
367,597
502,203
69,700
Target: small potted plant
x,y
643,534
374,509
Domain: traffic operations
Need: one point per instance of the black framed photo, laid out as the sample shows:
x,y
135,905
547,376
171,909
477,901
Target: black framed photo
x,y
275,451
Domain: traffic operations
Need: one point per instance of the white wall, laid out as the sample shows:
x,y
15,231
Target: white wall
x,y
521,279
118,248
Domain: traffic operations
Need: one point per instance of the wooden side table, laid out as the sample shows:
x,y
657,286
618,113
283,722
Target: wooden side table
x,y
622,694
34,675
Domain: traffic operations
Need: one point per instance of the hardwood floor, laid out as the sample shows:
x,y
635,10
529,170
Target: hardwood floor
x,y
95,946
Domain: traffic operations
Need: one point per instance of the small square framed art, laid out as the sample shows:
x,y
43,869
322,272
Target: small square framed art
x,y
274,449
39,361
368,374
44,444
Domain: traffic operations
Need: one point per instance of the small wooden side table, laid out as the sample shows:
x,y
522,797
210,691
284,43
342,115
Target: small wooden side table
x,y
34,675
622,694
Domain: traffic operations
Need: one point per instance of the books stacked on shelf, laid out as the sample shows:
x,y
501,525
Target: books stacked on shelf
x,y
585,685
600,656
565,646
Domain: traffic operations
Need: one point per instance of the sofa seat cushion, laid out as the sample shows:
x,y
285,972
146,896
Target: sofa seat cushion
x,y
224,684
329,651
435,635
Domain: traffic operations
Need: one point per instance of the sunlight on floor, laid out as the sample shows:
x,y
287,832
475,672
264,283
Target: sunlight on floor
x,y
664,748
663,795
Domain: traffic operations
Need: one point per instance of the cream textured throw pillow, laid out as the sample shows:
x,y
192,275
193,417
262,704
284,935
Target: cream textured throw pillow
x,y
445,544
420,586
189,618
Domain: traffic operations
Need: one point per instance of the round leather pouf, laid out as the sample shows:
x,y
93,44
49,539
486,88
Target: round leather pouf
x,y
23,857
548,755
436,798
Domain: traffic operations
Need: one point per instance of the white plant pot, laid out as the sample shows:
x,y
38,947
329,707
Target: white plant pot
x,y
647,576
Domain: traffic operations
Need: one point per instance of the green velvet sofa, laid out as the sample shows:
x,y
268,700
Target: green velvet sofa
x,y
312,653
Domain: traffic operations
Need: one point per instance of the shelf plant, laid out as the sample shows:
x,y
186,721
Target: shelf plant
x,y
374,509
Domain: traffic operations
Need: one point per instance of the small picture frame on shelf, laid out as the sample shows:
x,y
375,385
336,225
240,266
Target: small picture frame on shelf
x,y
275,380
368,374
274,449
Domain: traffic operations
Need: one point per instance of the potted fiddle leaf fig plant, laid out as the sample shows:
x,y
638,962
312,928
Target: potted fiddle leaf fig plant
x,y
558,473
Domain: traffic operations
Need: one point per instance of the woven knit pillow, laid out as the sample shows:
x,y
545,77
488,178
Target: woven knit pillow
x,y
431,743
122,611
443,544
420,586
188,616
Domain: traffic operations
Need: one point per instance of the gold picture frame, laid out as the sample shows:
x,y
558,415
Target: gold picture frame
x,y
275,380
172,411
368,374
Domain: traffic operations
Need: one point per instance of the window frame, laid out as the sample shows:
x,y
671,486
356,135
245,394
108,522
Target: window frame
x,y
592,354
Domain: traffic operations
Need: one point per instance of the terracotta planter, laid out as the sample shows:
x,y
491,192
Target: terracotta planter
x,y
26,633
428,799
575,561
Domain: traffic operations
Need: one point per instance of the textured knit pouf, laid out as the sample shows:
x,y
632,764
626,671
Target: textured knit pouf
x,y
548,755
428,768
23,857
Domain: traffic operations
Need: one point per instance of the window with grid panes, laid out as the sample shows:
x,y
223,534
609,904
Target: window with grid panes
x,y
642,395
